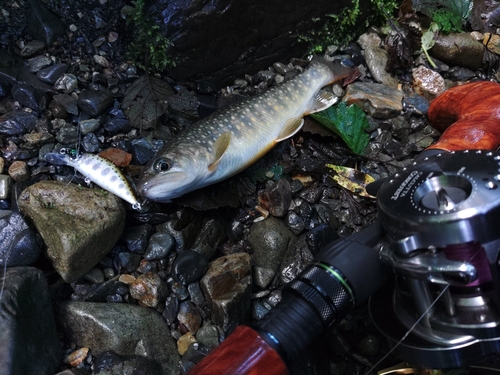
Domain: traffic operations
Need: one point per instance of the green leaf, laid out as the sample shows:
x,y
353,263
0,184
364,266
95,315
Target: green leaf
x,y
348,122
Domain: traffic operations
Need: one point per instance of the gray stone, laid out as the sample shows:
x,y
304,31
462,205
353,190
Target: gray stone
x,y
269,240
276,198
458,49
29,343
159,246
120,328
211,235
113,364
94,102
19,244
297,257
208,335
79,225
43,24
188,267
263,276
52,73
227,286
376,59
17,122
5,186
377,100
29,96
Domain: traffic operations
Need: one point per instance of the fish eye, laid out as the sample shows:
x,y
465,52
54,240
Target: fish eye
x,y
162,164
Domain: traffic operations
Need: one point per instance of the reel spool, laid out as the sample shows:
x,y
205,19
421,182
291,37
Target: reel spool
x,y
442,222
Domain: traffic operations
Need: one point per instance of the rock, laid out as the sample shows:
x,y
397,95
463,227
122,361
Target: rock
x,y
296,259
52,73
263,276
109,363
376,59
295,222
42,24
68,103
27,325
93,102
171,308
120,328
227,286
189,316
66,83
200,30
276,199
196,294
79,225
159,246
136,238
427,82
39,62
89,126
208,335
32,48
184,342
149,290
29,96
118,157
19,171
210,236
377,100
189,266
269,240
458,49
5,186
17,122
19,244
367,40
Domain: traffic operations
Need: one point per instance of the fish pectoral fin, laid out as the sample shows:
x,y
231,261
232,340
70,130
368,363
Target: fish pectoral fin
x,y
322,101
291,127
220,147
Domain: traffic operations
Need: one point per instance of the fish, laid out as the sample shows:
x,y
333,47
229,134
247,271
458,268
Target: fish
x,y
231,139
100,171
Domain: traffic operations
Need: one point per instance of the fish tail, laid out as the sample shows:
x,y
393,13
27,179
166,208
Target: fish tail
x,y
340,68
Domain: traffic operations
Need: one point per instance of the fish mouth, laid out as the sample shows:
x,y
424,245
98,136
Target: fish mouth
x,y
162,188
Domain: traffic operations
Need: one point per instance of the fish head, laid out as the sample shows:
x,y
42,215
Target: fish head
x,y
172,173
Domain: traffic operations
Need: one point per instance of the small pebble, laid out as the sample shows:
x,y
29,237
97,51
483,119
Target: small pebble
x,y
19,171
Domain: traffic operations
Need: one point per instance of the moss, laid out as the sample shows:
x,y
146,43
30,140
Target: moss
x,y
149,49
339,29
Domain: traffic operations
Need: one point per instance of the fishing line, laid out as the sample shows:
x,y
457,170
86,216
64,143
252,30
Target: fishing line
x,y
409,330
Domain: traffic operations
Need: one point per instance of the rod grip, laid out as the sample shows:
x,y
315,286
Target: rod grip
x,y
469,117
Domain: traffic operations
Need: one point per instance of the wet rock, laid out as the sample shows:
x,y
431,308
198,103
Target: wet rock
x,y
377,100
128,262
39,62
19,171
189,266
109,363
227,286
27,324
76,357
68,135
95,276
208,335
43,24
417,102
73,371
66,83
189,316
136,238
5,186
120,328
117,125
88,126
90,143
184,342
19,244
427,82
200,29
149,290
67,102
196,294
32,48
376,59
269,240
159,246
196,352
458,73
184,229
211,235
458,49
94,102
296,259
29,96
259,310
263,276
277,198
171,309
320,236
79,225
52,73
295,222
369,40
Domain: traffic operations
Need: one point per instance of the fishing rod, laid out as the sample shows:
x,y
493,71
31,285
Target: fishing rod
x,y
437,238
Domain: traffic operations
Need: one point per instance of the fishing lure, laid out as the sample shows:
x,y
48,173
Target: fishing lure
x,y
98,170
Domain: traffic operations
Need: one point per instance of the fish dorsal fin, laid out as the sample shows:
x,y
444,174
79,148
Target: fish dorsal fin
x,y
220,147
291,127
322,101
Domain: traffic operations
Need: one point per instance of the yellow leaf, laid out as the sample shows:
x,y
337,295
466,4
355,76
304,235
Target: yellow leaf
x,y
352,179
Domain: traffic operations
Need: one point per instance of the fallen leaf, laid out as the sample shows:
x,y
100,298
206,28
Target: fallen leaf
x,y
352,179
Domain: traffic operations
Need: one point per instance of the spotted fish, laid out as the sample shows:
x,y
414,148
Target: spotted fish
x,y
98,170
233,138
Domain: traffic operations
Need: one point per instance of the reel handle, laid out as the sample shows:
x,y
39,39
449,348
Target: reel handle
x,y
468,116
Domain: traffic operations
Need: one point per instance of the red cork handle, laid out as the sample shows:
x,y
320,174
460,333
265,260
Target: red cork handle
x,y
244,352
469,117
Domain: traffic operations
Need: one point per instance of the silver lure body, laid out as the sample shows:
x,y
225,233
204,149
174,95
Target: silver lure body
x,y
233,138
100,171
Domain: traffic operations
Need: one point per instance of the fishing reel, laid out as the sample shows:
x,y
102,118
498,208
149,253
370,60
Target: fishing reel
x,y
441,218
